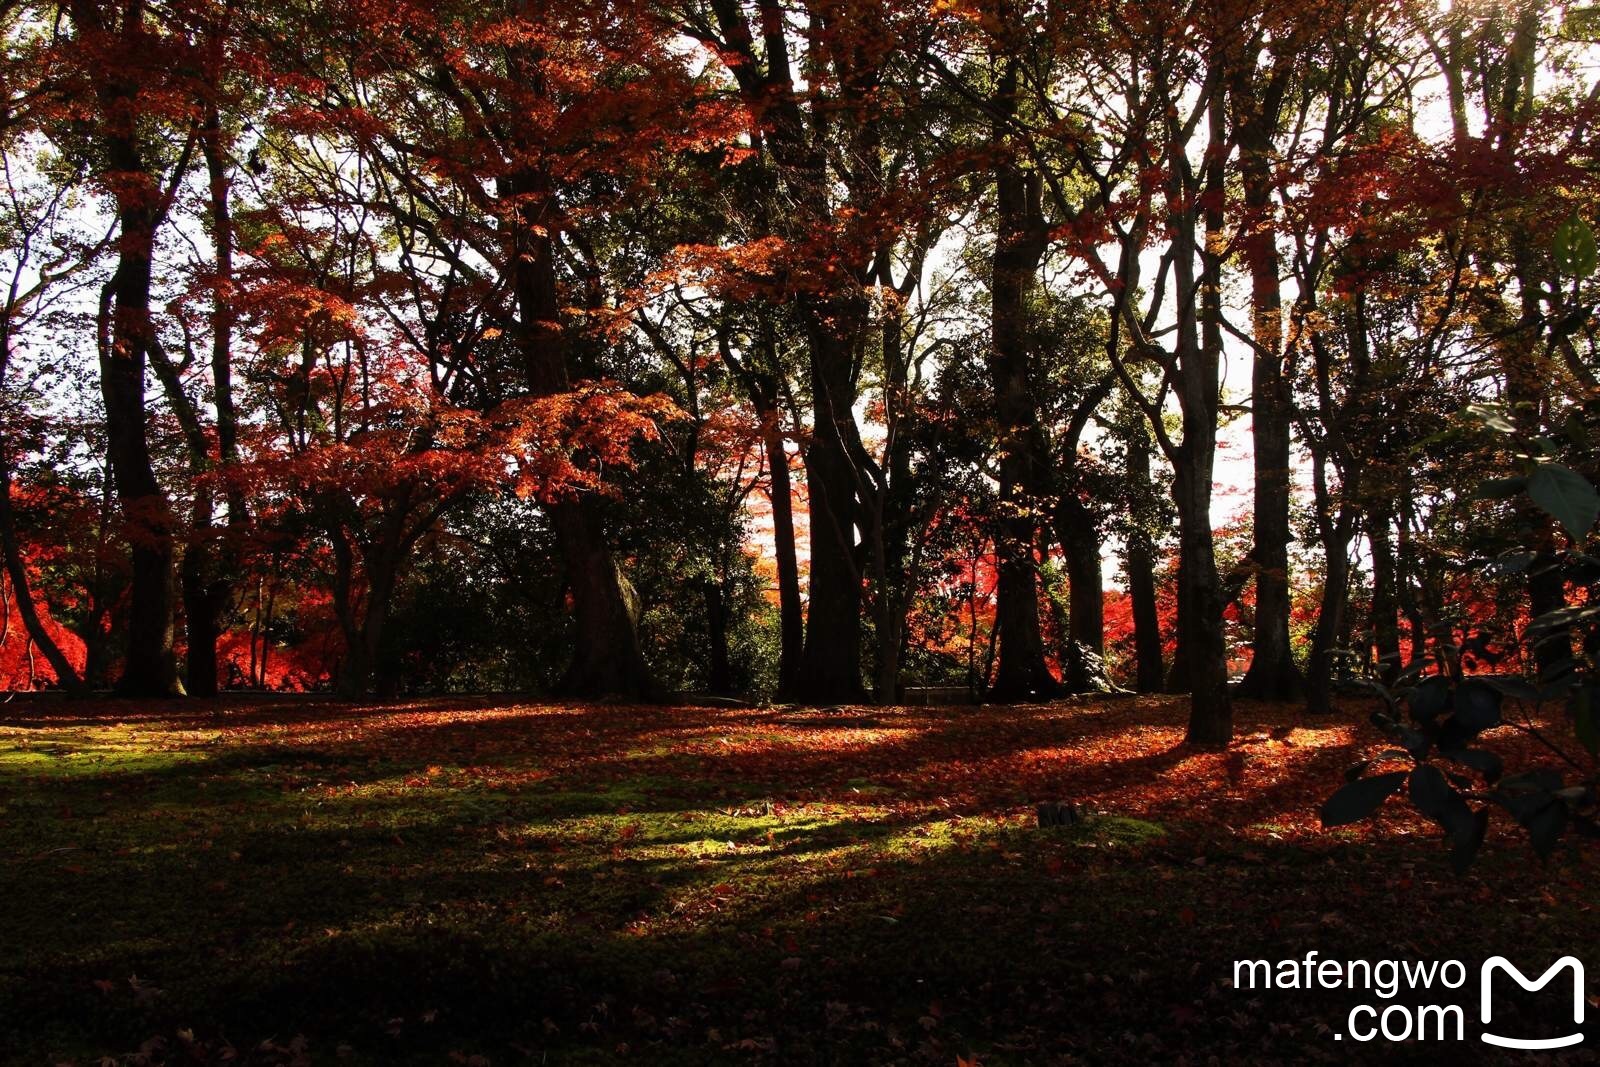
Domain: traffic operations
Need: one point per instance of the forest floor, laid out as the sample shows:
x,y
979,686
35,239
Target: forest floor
x,y
483,882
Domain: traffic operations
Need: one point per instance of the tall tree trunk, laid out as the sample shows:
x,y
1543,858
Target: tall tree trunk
x,y
1526,388
1139,564
607,660
1335,519
1325,646
1083,670
791,618
831,666
1210,712
1258,98
1019,244
889,485
1523,365
202,614
364,626
1203,646
1272,674
207,578
887,604
150,668
719,667
761,386
1385,596
1177,678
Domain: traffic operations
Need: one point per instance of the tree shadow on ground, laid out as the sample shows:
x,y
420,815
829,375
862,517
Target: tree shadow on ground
x,y
656,889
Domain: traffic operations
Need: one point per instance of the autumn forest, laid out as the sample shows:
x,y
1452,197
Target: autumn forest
x,y
613,491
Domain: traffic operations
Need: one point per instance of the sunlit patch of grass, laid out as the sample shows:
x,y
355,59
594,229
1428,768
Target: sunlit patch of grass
x,y
79,752
1116,831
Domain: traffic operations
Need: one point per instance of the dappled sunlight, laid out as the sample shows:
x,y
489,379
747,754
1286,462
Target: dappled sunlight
x,y
484,862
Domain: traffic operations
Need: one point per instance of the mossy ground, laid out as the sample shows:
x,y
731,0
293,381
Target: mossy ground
x,y
478,881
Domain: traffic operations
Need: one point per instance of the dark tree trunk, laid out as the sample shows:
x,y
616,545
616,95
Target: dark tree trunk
x,y
831,667
1335,521
796,204
364,627
150,665
204,600
607,660
791,618
1547,592
1525,372
1211,712
719,667
1022,671
1526,390
1083,670
1325,641
1150,670
1177,678
1385,596
1204,650
1139,563
889,487
762,386
96,660
207,578
1272,674
1405,582
150,668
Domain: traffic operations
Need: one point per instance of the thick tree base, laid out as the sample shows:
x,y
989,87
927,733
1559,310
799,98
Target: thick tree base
x,y
611,678
823,691
149,685
1210,727
1210,714
1281,681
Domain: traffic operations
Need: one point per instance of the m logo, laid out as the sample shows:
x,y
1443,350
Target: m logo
x,y
1500,963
